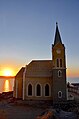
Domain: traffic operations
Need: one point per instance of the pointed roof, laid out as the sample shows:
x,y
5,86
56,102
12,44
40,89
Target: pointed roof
x,y
57,36
20,73
39,68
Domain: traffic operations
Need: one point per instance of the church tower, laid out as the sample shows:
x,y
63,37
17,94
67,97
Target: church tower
x,y
59,68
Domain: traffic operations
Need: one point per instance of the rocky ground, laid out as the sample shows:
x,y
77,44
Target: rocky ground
x,y
11,108
28,110
13,111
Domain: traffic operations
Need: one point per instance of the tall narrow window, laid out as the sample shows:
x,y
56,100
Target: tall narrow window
x,y
57,62
59,73
38,89
29,90
60,62
46,90
60,94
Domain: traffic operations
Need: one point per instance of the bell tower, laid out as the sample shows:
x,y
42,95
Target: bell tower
x,y
59,68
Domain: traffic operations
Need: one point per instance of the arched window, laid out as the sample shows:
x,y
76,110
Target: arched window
x,y
29,90
59,73
38,90
57,62
60,94
46,90
60,62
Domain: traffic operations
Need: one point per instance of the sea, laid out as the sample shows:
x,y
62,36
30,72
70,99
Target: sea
x,y
73,79
7,83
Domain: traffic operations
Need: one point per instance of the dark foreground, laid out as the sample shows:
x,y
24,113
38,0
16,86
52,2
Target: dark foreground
x,y
14,111
11,108
29,110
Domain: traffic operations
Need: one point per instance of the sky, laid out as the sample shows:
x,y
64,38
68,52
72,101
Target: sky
x,y
27,30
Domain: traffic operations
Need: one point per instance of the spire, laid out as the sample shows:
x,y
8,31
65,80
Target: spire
x,y
57,36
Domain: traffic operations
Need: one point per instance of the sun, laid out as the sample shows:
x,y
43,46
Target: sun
x,y
7,72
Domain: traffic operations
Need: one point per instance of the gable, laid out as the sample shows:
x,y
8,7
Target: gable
x,y
20,73
39,68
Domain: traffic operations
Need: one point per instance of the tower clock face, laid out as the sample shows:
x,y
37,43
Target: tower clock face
x,y
58,51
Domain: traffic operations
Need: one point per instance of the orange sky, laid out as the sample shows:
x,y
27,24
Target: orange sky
x,y
71,72
15,66
9,70
28,32
10,65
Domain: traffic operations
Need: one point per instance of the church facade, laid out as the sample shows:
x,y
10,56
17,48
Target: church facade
x,y
44,79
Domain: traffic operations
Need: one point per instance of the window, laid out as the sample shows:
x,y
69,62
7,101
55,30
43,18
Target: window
x,y
29,90
46,90
57,62
38,90
59,73
60,94
60,62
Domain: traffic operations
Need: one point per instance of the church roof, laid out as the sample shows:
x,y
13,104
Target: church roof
x,y
20,73
57,36
39,68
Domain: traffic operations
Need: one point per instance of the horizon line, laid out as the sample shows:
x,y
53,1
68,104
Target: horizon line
x,y
7,76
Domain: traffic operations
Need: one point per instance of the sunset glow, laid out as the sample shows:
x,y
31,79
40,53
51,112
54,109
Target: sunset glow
x,y
7,72
6,86
72,72
27,32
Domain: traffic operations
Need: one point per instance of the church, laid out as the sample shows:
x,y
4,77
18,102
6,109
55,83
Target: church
x,y
44,79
